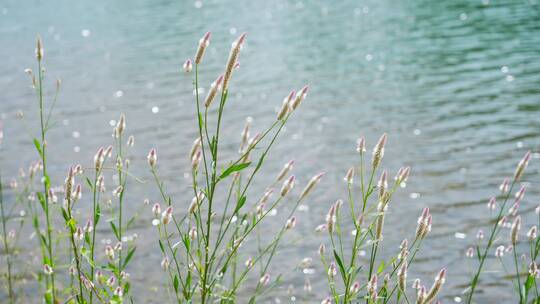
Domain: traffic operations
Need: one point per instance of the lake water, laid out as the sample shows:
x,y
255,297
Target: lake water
x,y
456,84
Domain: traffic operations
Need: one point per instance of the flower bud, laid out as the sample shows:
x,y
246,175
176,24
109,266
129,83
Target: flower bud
x,y
287,186
152,158
188,66
203,44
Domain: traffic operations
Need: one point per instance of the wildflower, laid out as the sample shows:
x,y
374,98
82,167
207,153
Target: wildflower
x,y
355,287
77,194
118,291
78,169
381,207
372,287
291,223
416,284
361,145
349,177
118,246
288,167
421,295
320,228
286,106
188,66
121,125
39,49
514,232
245,134
306,262
131,141
300,96
52,197
327,300
100,184
88,227
533,269
72,270
424,224
233,58
87,283
402,276
203,44
108,151
193,233
504,186
499,251
470,252
287,186
109,252
322,249
152,158
331,218
492,203
196,160
520,194
167,215
117,192
47,269
264,280
531,234
480,234
522,165
249,263
404,253
332,270
378,151
111,281
214,87
165,263
311,184
307,286
439,281
382,184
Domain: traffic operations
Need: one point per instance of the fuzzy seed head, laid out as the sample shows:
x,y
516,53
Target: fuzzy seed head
x,y
514,231
287,186
532,233
288,167
152,158
188,66
311,184
299,97
522,165
233,60
203,44
349,176
378,151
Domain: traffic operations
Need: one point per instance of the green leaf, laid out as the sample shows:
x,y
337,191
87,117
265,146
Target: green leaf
x,y
89,183
113,226
175,283
41,199
129,256
38,146
234,168
240,203
340,264
97,215
381,267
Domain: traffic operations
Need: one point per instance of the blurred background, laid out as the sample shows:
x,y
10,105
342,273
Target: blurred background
x,y
455,84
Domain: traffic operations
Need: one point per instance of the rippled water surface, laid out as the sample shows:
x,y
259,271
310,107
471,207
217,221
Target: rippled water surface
x,y
456,84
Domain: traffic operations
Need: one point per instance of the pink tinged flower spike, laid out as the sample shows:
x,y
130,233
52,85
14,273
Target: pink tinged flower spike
x,y
119,292
214,87
514,231
492,203
332,270
382,184
322,249
77,194
349,176
533,269
167,215
504,186
378,151
188,66
287,186
311,184
47,269
421,295
416,284
331,218
249,263
423,223
196,160
437,284
109,252
193,233
233,59
165,263
88,227
513,210
299,97
291,223
470,252
121,125
203,44
286,106
499,251
327,300
52,196
131,141
264,280
480,235
361,145
532,233
244,136
520,194
402,175
195,147
402,276
39,49
355,288
152,158
288,167
156,210
111,281
372,287
522,165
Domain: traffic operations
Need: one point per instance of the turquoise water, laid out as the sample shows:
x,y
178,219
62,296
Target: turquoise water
x,y
456,84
